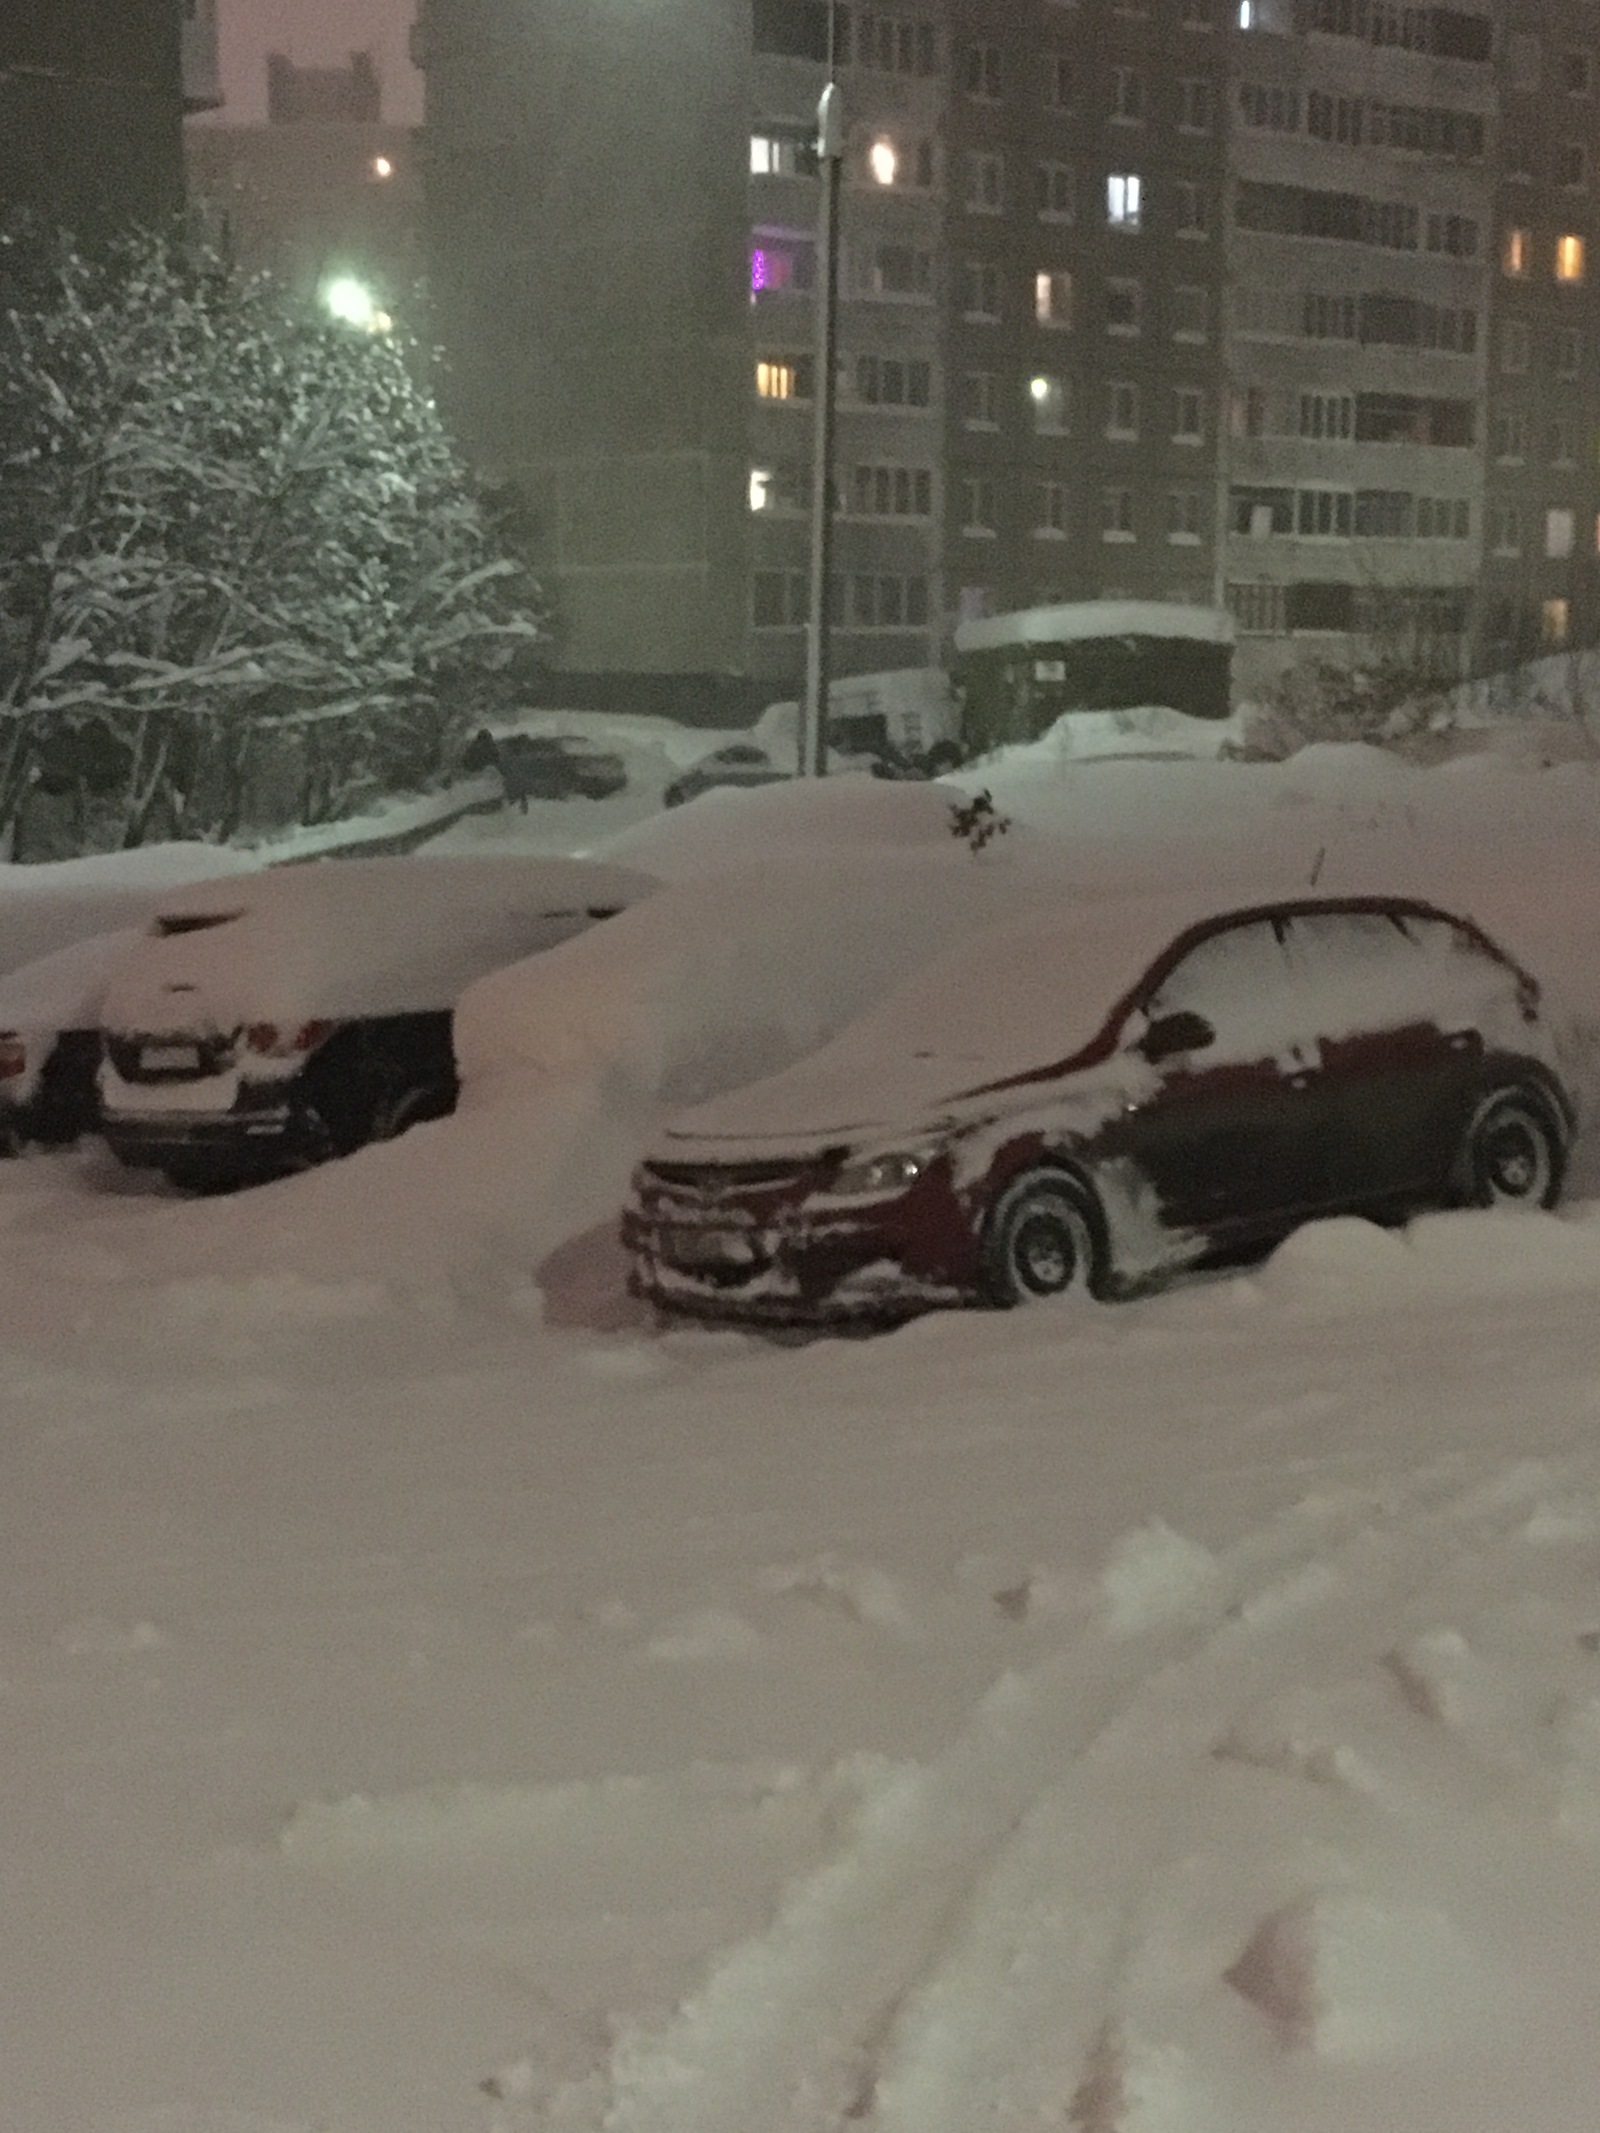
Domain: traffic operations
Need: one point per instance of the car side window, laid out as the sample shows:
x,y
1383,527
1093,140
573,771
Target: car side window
x,y
1242,982
1371,970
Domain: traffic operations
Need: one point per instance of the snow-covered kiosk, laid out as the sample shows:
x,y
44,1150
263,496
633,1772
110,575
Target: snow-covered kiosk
x,y
1017,674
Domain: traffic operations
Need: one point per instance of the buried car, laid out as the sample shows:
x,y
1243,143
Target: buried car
x,y
1093,1100
264,1024
50,1041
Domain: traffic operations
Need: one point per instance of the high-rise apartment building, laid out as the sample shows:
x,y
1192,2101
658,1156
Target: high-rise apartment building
x,y
1279,303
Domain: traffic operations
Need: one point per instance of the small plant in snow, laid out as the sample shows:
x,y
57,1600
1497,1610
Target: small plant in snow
x,y
978,820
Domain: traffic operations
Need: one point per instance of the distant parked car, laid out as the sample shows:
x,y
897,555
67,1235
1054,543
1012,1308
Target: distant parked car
x,y
271,1022
741,763
50,1041
1092,1102
546,766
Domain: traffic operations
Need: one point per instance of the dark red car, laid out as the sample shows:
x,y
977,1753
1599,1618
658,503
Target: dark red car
x,y
1096,1099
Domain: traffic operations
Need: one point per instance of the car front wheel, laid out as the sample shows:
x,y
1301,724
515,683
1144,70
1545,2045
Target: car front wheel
x,y
1514,1153
1039,1242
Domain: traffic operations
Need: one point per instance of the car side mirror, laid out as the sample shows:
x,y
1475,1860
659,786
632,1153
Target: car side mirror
x,y
1170,1034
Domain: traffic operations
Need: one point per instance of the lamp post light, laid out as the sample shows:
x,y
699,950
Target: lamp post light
x,y
830,154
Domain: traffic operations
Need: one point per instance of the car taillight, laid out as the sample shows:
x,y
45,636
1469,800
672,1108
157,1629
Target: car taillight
x,y
272,1042
13,1055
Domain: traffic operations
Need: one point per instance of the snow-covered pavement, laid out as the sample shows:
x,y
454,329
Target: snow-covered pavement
x,y
1174,1715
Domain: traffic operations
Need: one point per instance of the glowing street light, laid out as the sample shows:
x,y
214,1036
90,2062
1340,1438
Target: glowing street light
x,y
352,303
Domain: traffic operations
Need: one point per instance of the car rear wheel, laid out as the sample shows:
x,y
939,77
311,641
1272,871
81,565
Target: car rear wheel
x,y
1039,1242
1514,1153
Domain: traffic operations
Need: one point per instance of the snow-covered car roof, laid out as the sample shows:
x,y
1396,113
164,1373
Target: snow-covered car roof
x,y
1012,1000
63,990
360,936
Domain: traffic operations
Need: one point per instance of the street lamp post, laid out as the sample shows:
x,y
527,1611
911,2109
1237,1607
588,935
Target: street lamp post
x,y
830,153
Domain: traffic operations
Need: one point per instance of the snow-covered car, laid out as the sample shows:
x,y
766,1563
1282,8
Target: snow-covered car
x,y
740,763
50,1041
547,766
1098,1099
264,1024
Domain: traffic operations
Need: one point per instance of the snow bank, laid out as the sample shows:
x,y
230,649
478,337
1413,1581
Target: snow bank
x,y
44,908
728,827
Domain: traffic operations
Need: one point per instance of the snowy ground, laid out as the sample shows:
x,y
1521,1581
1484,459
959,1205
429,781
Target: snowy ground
x,y
427,1717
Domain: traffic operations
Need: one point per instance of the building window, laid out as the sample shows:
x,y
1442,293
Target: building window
x,y
1124,199
1183,517
888,603
1524,58
1194,104
1127,96
781,266
1569,258
1323,514
778,488
1050,511
909,165
1051,402
1555,617
892,492
1260,513
1572,165
1196,14
1052,298
1443,518
1328,417
1456,236
779,599
977,501
893,381
1383,514
779,155
1568,352
1189,209
1270,109
1191,309
1056,192
1508,440
985,187
1257,609
1060,82
900,270
1516,251
1329,318
1334,118
1124,302
892,44
978,401
1188,415
1505,529
1116,515
980,75
1515,347
1576,73
1559,530
785,377
980,282
1122,410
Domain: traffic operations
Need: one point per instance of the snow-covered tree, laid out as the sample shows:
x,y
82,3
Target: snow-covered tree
x,y
227,519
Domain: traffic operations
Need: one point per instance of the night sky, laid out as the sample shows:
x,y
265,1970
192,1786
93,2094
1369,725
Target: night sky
x,y
315,33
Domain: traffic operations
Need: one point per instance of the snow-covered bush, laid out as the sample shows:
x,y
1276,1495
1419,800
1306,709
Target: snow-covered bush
x,y
235,539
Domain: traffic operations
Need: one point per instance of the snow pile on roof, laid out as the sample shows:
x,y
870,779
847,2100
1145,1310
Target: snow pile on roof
x,y
355,936
1088,621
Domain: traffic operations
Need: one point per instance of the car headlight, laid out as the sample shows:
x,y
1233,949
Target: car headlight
x,y
882,1173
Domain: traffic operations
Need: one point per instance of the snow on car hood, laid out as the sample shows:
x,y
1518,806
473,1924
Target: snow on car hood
x,y
339,938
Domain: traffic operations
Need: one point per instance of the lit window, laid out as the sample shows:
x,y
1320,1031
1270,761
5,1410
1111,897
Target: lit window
x,y
784,377
382,167
1052,298
1124,192
1558,533
1514,252
1554,619
1051,406
1569,258
762,481
774,155
882,162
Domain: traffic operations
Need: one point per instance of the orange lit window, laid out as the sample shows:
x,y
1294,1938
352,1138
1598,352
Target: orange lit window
x,y
1514,253
1569,258
1554,619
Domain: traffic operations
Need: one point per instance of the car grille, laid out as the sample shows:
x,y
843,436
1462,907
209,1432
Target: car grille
x,y
713,1180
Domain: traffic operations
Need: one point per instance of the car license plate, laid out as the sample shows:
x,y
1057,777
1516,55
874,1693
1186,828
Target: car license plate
x,y
705,1247
170,1058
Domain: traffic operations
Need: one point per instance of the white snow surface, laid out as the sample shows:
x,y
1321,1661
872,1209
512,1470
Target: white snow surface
x,y
51,906
438,1702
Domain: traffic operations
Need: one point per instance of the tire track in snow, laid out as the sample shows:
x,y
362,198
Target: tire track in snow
x,y
792,2028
